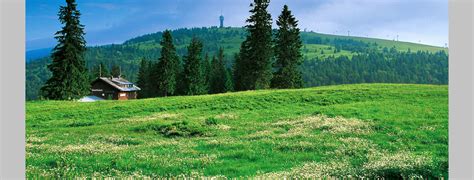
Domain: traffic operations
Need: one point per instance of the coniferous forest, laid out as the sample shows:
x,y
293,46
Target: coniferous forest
x,y
217,60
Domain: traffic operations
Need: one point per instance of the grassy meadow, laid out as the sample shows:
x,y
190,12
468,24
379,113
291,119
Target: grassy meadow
x,y
366,130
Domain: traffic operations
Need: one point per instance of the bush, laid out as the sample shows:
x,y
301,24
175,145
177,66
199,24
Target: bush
x,y
80,124
178,129
211,121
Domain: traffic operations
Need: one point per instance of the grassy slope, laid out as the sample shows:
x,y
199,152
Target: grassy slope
x,y
400,45
397,129
232,44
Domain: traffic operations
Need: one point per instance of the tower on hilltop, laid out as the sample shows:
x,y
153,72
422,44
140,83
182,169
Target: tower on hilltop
x,y
221,18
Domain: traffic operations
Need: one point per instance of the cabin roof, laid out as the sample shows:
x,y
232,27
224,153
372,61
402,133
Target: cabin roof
x,y
118,82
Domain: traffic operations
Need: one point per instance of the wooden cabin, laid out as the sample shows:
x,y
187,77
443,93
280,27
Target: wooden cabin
x,y
112,88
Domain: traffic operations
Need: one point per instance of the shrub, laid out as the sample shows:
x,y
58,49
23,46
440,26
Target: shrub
x,y
178,129
80,124
211,121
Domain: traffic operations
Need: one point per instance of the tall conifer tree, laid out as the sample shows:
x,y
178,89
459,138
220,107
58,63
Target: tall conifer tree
x,y
70,78
99,71
255,66
116,71
219,76
237,73
167,69
193,77
288,52
143,79
206,72
229,82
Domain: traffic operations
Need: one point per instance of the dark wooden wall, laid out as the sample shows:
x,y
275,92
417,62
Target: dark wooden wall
x,y
110,93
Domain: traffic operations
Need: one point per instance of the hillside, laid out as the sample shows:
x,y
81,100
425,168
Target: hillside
x,y
37,54
364,130
316,47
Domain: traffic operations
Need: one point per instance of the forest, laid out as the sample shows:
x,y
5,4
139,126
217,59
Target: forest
x,y
372,62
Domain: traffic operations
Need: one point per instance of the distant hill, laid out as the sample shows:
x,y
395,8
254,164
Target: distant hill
x,y
316,47
37,54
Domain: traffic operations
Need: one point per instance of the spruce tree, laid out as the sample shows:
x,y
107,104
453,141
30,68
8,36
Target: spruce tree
x,y
218,74
288,52
229,82
152,83
193,77
99,71
104,71
255,68
116,71
70,78
236,75
143,79
167,69
206,72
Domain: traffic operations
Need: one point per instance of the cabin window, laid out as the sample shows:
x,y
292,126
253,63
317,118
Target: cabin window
x,y
123,94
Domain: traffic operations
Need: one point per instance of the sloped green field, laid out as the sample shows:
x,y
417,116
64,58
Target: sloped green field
x,y
365,130
231,38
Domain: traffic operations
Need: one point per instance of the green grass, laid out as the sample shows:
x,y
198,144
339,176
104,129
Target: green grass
x,y
399,45
363,130
311,51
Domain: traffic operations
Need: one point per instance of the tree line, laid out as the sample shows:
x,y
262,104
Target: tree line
x,y
378,67
266,59
263,61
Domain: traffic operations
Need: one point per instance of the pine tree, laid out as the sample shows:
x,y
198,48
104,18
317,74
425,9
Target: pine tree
x,y
152,83
167,69
206,72
237,73
99,71
116,71
70,78
288,52
256,51
229,83
218,74
193,79
143,79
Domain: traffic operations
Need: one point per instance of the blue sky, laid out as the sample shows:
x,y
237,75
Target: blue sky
x,y
114,21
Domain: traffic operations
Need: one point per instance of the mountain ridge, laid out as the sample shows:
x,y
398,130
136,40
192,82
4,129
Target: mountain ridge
x,y
36,54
